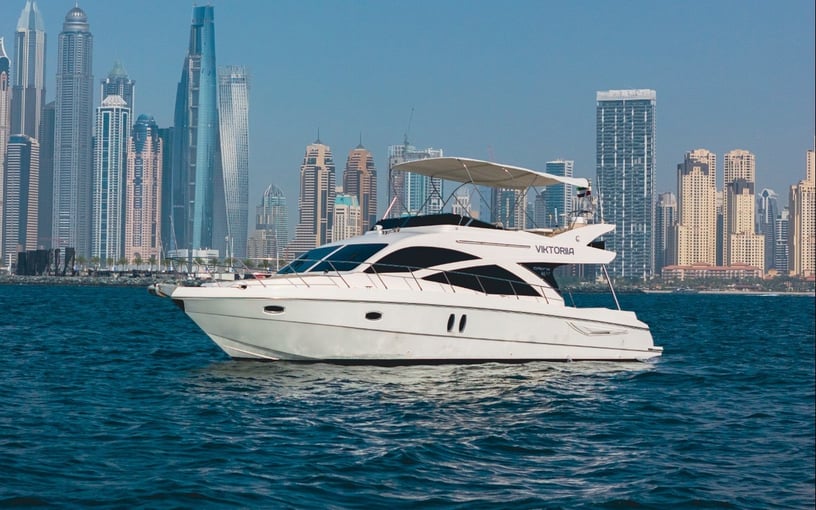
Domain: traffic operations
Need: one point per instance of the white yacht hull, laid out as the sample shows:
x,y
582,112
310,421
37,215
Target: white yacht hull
x,y
331,324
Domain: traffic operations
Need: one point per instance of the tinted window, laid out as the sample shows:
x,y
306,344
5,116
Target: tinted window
x,y
307,260
488,279
348,257
417,257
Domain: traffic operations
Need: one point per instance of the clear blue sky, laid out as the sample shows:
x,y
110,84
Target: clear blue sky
x,y
516,79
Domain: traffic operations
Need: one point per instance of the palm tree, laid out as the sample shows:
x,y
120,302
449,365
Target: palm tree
x,y
152,261
137,259
198,261
109,261
122,262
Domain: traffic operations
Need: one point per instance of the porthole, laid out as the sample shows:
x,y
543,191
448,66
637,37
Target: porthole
x,y
451,322
373,316
462,323
273,309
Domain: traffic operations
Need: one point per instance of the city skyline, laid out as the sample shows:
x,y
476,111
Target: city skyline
x,y
514,112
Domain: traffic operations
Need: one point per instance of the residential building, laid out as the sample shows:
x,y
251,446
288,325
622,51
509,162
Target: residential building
x,y
767,213
509,207
143,213
559,198
347,217
360,180
21,196
268,241
316,201
781,251
45,204
5,125
73,125
741,243
118,83
625,159
410,193
233,114
696,237
665,227
110,159
802,226
28,72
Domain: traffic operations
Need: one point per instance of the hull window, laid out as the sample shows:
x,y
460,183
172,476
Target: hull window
x,y
451,322
462,323
373,316
273,309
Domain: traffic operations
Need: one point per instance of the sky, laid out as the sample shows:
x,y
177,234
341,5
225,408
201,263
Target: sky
x,y
511,81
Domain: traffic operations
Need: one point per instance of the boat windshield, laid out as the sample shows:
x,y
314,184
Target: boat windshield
x,y
307,260
348,257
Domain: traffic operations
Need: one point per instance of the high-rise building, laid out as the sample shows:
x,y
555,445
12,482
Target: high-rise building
x,y
559,197
73,124
360,180
316,201
5,125
233,115
540,210
741,243
22,180
802,226
781,253
347,217
119,84
110,159
28,72
143,192
168,231
665,226
197,183
625,160
509,207
271,233
46,203
696,238
767,213
409,193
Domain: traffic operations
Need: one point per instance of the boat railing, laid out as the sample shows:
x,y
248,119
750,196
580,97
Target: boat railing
x,y
380,274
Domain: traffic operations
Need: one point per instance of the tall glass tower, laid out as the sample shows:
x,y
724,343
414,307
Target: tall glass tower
x,y
197,184
73,127
5,119
108,219
271,227
118,83
22,191
410,193
28,95
559,197
625,163
233,113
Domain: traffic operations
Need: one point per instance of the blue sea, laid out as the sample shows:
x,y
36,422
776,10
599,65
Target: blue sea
x,y
112,398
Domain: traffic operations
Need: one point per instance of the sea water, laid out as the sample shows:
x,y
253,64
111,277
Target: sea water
x,y
113,398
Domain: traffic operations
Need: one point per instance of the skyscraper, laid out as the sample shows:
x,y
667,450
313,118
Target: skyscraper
x,y
107,211
233,114
625,160
741,243
143,203
802,226
767,212
781,252
316,202
5,120
509,207
197,184
28,73
46,203
410,193
168,232
271,227
696,236
559,197
665,226
20,214
73,127
119,84
360,180
347,217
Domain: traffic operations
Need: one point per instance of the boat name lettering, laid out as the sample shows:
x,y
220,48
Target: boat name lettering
x,y
555,250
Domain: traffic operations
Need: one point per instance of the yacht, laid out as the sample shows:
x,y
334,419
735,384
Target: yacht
x,y
427,289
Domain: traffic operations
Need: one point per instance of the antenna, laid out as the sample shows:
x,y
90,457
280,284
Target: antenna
x,y
408,129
